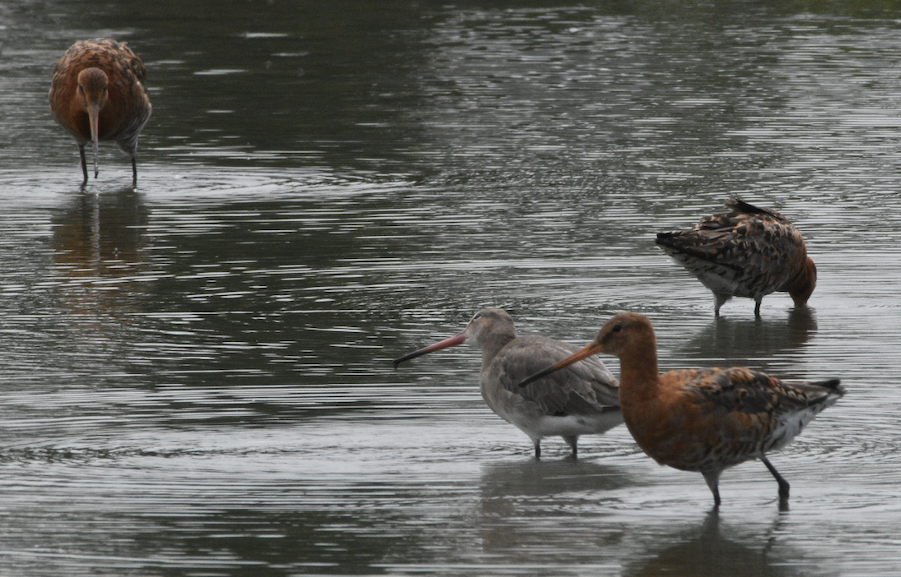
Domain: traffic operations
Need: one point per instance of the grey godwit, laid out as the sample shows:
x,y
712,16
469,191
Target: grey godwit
x,y
580,401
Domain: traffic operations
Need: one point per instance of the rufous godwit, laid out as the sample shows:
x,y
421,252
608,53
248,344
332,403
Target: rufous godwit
x,y
98,93
579,401
702,420
748,252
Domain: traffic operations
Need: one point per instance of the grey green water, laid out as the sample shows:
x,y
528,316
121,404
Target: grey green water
x,y
195,375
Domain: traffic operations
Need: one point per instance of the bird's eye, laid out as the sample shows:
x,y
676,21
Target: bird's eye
x,y
617,328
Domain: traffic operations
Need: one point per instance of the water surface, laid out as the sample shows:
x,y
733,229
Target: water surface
x,y
196,374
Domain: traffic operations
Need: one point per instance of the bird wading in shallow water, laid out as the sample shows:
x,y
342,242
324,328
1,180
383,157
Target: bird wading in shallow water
x,y
748,252
579,401
98,93
702,420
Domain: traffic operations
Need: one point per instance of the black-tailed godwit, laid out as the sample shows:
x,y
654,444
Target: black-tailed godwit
x,y
702,420
98,93
748,252
579,401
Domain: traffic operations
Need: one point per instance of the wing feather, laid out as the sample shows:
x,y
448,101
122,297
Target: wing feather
x,y
749,252
585,388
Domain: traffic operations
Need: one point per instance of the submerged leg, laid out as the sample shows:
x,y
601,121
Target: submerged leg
x,y
783,484
84,163
572,442
713,481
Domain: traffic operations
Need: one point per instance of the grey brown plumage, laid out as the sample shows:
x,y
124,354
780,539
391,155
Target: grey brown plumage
x,y
98,94
582,400
747,252
703,420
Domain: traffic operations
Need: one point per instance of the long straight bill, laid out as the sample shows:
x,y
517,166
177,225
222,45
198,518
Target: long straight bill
x,y
94,121
575,358
445,344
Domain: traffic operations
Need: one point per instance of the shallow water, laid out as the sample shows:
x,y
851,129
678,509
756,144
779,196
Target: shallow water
x,y
196,374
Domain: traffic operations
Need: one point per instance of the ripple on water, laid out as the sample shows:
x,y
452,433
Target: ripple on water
x,y
196,373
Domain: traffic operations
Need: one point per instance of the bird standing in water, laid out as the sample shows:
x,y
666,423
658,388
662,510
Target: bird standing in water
x,y
748,252
580,401
702,420
98,93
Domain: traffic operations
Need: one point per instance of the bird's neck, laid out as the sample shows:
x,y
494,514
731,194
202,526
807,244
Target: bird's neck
x,y
801,286
639,375
492,344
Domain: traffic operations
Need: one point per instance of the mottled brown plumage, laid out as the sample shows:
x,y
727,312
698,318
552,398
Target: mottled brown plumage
x,y
98,93
582,400
703,420
748,252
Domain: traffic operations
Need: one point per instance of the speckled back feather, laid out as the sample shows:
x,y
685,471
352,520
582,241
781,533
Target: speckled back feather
x,y
747,252
760,413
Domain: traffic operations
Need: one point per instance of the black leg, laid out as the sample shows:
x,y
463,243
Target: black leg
x,y
134,171
537,448
783,484
84,163
573,441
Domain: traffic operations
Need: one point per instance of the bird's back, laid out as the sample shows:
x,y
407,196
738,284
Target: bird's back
x,y
710,419
586,388
748,252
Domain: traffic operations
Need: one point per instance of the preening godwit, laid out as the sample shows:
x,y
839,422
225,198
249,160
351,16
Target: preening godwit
x,y
579,401
748,252
98,94
702,420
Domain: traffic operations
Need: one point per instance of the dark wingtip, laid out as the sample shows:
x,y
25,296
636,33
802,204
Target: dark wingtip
x,y
740,205
834,384
747,208
663,238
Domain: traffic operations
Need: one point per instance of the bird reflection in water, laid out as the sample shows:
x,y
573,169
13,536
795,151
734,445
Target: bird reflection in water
x,y
98,239
704,551
751,342
540,490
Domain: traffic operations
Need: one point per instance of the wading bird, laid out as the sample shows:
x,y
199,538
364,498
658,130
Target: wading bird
x,y
702,420
579,401
748,252
98,93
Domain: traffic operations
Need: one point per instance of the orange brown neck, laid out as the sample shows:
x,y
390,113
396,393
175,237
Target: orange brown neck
x,y
801,287
639,365
639,375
